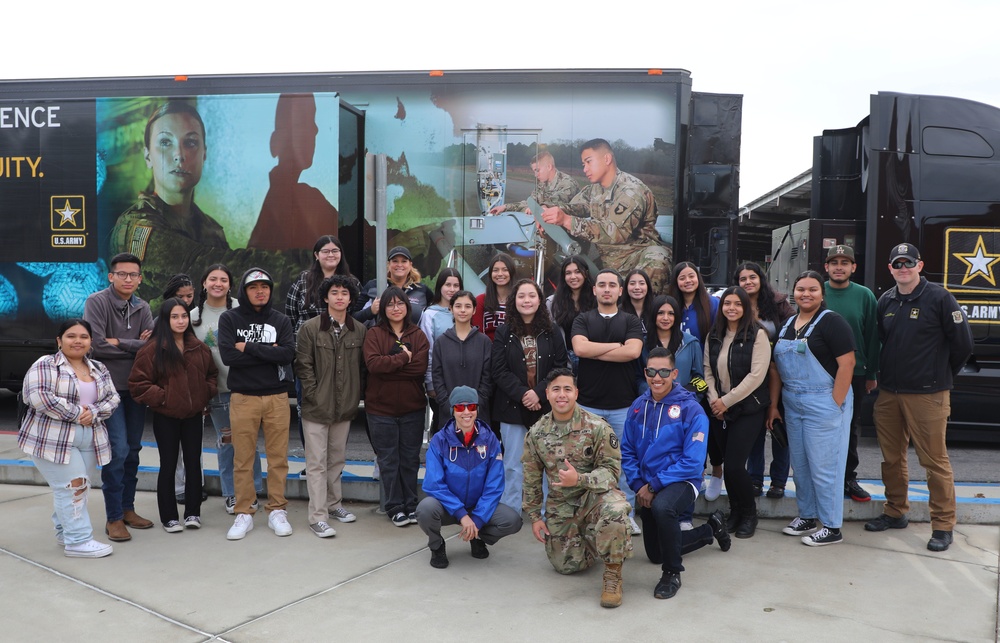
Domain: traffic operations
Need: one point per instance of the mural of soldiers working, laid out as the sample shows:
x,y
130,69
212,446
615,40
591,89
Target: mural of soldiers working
x,y
554,188
617,213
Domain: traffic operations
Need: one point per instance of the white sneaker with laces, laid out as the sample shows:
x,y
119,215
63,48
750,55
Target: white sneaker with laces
x,y
342,515
635,526
323,530
713,489
90,549
242,524
278,522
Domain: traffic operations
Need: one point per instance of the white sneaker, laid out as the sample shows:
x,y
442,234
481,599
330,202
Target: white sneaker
x,y
323,530
686,525
713,489
342,515
90,549
242,524
278,522
635,527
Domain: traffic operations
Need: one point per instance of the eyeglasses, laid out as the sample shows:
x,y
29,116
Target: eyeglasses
x,y
462,407
395,304
662,372
128,275
327,253
899,264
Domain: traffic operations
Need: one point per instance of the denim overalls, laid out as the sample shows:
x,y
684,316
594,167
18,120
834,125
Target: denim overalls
x,y
818,429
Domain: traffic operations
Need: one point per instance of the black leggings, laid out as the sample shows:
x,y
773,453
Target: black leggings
x,y
172,435
734,443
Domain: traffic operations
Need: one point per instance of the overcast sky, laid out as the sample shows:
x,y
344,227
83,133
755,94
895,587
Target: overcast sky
x,y
801,66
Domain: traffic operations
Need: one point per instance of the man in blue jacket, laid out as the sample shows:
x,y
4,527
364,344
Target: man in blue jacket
x,y
464,482
663,457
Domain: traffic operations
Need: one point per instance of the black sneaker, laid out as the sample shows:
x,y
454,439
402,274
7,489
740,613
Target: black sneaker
x,y
479,549
439,559
822,537
884,522
717,521
855,492
758,489
940,540
800,526
400,520
668,585
776,492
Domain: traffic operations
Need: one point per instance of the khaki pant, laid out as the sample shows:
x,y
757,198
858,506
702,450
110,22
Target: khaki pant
x,y
248,414
326,448
922,417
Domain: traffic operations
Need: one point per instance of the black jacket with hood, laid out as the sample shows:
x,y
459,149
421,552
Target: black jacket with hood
x,y
263,367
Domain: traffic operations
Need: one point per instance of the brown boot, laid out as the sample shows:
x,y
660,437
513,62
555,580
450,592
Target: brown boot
x,y
611,595
135,521
117,532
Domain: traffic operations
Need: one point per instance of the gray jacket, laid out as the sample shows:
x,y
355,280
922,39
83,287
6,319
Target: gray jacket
x,y
457,363
111,316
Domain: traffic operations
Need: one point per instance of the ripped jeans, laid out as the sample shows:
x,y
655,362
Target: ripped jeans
x,y
70,517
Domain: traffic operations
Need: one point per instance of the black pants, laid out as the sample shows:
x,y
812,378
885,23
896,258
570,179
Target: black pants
x,y
734,442
172,435
858,386
662,537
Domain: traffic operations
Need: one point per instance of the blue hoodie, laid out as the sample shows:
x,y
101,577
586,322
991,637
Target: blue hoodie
x,y
465,480
665,442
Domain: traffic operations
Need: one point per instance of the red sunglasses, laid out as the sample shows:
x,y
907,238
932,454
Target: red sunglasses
x,y
462,407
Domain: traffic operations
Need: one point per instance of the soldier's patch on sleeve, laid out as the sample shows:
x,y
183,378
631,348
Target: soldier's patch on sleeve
x,y
138,238
957,316
613,441
620,208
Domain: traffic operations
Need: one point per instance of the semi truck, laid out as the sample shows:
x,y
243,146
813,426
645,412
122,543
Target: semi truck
x,y
282,159
923,170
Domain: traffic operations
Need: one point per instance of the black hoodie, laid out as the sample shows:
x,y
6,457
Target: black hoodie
x,y
261,367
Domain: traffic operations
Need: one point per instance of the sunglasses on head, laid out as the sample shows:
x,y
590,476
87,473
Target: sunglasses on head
x,y
662,372
903,263
462,407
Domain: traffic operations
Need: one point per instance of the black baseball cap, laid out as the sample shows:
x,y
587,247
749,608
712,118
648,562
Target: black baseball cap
x,y
905,251
847,252
400,251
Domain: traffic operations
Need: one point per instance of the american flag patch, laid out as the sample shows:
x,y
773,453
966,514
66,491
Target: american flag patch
x,y
140,238
698,437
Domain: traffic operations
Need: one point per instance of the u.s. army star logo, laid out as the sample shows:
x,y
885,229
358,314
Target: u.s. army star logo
x,y
979,263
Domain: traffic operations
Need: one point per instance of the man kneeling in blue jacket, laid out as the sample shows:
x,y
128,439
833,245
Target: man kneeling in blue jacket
x,y
464,482
663,457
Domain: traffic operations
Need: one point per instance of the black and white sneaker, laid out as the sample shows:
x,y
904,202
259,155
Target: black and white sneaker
x,y
822,537
800,526
400,520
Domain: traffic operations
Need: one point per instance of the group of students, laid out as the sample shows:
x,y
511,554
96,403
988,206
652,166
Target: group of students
x,y
410,346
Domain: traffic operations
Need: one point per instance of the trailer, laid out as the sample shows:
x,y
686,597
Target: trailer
x,y
284,160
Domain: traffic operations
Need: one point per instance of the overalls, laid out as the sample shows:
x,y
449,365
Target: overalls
x,y
818,429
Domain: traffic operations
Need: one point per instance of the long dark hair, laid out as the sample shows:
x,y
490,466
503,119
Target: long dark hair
x,y
203,293
702,307
166,356
747,329
647,301
491,301
652,332
564,309
812,274
767,306
390,293
176,282
441,279
314,276
541,323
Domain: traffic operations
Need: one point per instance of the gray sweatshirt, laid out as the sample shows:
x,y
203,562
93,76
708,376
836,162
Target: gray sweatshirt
x,y
111,316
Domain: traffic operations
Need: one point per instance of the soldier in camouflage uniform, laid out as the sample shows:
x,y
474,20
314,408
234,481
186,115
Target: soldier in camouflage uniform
x,y
586,515
553,188
166,229
617,213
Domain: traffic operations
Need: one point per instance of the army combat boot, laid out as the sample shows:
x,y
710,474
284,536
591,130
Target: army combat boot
x,y
611,595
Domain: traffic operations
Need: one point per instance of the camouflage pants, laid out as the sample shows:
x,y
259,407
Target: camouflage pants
x,y
599,530
655,260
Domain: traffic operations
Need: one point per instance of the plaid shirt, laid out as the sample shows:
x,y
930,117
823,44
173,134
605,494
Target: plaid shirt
x,y
54,406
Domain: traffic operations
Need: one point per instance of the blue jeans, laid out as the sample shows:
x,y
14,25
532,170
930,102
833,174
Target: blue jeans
x,y
662,537
397,442
70,515
779,462
218,408
120,476
512,437
616,418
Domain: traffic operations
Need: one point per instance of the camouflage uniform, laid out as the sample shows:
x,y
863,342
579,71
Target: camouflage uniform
x,y
590,520
168,245
620,222
559,191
